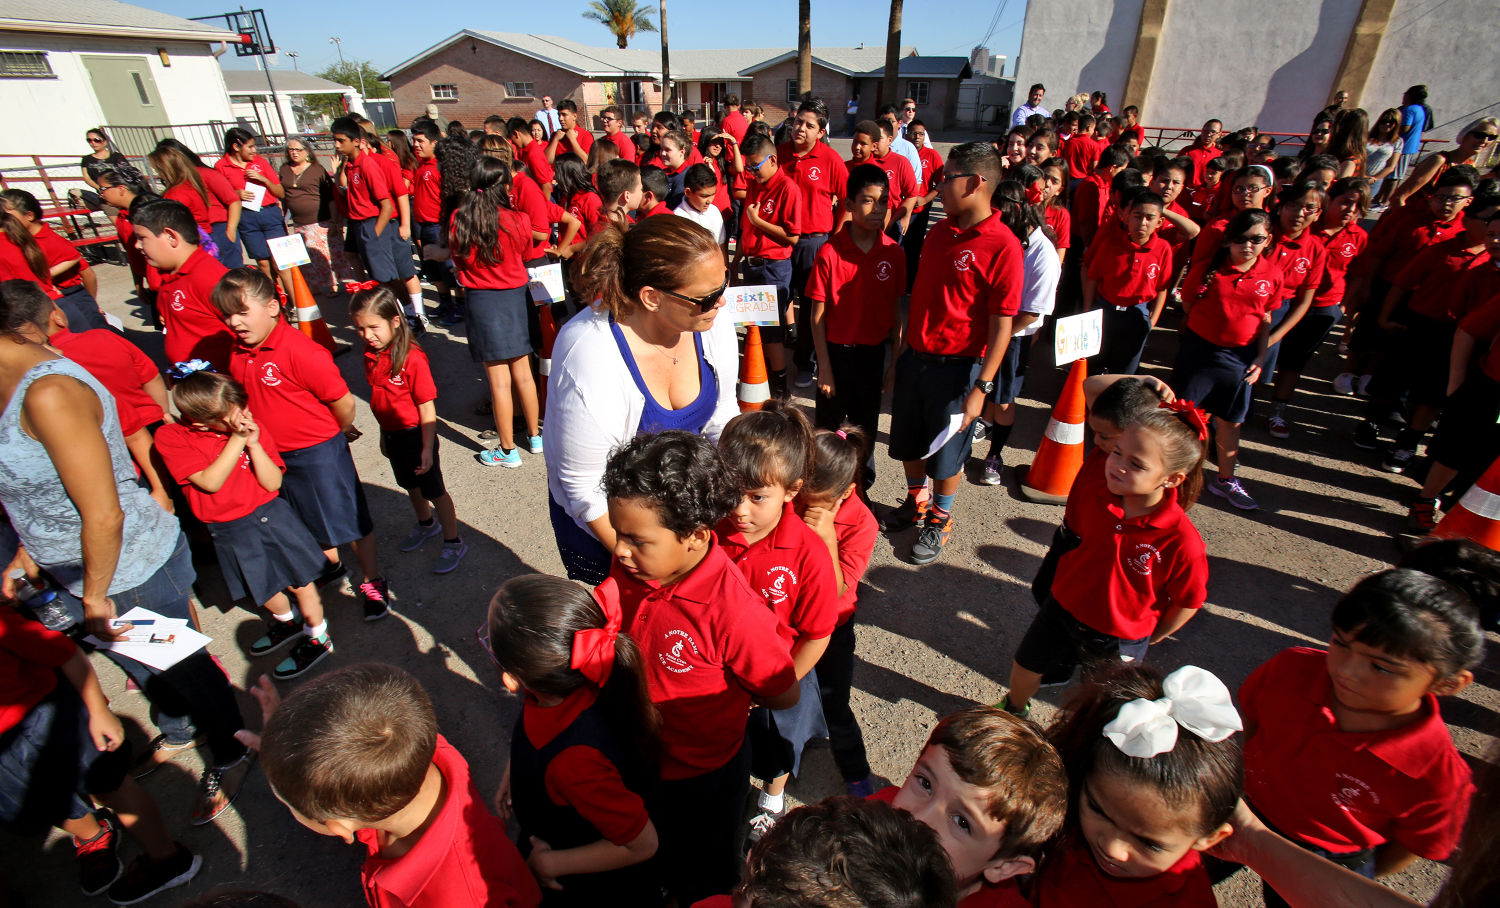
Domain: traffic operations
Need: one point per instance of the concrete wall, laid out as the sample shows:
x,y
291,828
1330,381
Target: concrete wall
x,y
1079,45
1456,60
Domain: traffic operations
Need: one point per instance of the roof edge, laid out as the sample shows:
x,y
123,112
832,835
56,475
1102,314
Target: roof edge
x,y
36,26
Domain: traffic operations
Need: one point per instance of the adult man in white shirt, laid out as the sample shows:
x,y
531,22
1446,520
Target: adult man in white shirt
x,y
1033,105
908,113
548,116
898,144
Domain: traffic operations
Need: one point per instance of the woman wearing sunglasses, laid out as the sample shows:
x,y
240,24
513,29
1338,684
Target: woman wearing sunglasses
x,y
653,353
1476,144
101,154
1228,300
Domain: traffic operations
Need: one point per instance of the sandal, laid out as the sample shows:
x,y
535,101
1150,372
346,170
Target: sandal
x,y
161,751
219,788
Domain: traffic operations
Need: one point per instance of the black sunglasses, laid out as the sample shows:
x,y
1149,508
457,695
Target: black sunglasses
x,y
704,303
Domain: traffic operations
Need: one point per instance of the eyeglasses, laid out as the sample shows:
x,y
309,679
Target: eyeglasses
x,y
1450,199
950,177
1310,209
609,119
483,636
1485,137
1249,190
704,303
757,167
1252,240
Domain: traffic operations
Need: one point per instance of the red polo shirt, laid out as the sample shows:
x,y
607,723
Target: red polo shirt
x,y
534,156
1128,274
1089,199
194,328
1172,233
932,172
368,184
1477,286
778,201
902,178
122,367
1082,153
859,290
188,195
427,192
735,124
1230,306
963,278
291,381
588,208
1436,274
1200,201
463,858
1484,324
526,197
1207,242
710,644
1073,878
626,146
1343,246
189,449
1200,157
1302,262
856,530
514,244
1061,222
220,194
234,175
394,400
58,250
1156,562
790,568
1341,790
30,654
822,179
1392,250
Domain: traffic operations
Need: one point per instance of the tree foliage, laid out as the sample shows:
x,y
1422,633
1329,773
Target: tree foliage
x,y
346,73
623,18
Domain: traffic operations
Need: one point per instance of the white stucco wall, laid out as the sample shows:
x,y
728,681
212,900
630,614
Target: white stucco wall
x,y
1456,58
1078,45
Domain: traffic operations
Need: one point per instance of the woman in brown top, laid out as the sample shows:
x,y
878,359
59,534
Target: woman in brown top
x,y
309,200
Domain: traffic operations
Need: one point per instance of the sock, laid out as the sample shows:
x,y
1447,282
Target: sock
x,y
941,507
319,632
999,436
773,803
414,311
290,616
424,524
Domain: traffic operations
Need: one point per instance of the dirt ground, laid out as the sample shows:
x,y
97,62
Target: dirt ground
x,y
930,639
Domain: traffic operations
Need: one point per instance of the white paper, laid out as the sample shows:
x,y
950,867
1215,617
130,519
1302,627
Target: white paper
x,y
1078,336
752,305
160,656
259,195
955,423
289,251
547,283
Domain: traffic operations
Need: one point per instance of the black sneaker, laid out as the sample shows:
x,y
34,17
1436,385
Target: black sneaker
x,y
332,572
99,858
1400,460
377,595
1367,436
145,877
278,634
303,656
931,539
907,514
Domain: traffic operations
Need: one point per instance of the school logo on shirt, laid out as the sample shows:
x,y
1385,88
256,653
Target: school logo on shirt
x,y
883,271
783,580
1347,250
355,177
270,375
397,380
178,298
1152,270
767,208
1349,791
1261,288
1142,558
965,260
1299,267
679,646
814,173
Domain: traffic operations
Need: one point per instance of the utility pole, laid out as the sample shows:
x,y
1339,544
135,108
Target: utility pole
x,y
294,55
338,44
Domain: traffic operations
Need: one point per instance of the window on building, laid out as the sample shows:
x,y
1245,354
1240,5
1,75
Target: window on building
x,y
520,89
445,91
23,64
793,96
917,91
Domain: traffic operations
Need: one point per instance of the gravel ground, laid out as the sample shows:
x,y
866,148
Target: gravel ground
x,y
930,639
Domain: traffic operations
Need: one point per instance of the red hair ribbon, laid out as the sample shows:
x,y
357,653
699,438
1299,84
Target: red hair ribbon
x,y
1190,412
356,286
1034,194
594,648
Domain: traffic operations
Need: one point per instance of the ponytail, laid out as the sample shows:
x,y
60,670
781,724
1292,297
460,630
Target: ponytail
x,y
15,231
476,223
1182,430
382,302
839,460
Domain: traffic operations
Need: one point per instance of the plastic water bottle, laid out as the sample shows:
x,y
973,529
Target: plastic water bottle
x,y
42,601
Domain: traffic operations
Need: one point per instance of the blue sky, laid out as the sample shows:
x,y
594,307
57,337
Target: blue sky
x,y
386,32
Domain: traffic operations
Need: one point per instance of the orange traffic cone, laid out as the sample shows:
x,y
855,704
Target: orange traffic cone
x,y
544,359
754,389
309,319
1477,514
1060,455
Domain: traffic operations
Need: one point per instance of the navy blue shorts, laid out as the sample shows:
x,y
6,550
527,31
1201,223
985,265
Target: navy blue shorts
x,y
403,448
497,324
1012,375
777,737
1056,643
926,392
433,272
386,255
1214,376
256,227
82,310
48,759
230,255
266,551
323,487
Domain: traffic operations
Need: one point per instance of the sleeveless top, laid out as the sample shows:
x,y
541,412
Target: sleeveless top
x,y
655,417
44,516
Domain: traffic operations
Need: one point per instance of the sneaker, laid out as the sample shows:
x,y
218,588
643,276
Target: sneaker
x,y
1367,436
761,823
1362,387
495,457
278,634
377,595
304,656
450,318
860,788
145,877
1400,460
806,379
161,751
1277,423
219,788
1343,383
1233,492
533,444
1423,516
450,556
990,474
909,513
418,327
931,539
334,571
1005,704
99,858
420,534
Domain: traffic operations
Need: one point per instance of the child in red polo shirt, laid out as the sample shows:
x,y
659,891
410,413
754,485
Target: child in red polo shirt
x,y
1204,149
1083,149
613,119
1168,179
297,392
1249,188
855,289
655,185
1154,774
1055,212
620,187
69,271
572,138
229,466
1140,572
403,398
427,214
1091,195
168,239
584,756
1346,753
820,177
1299,252
1201,197
710,644
905,191
771,451
1128,274
772,222
377,210
357,755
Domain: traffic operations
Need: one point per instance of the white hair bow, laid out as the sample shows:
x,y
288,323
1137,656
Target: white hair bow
x,y
1195,699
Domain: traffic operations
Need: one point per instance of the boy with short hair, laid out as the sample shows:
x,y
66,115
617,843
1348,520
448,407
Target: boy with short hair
x,y
1129,126
1168,179
655,186
699,187
1127,271
1204,149
967,292
772,221
427,213
571,136
819,175
734,122
1082,150
613,119
902,175
641,124
168,237
619,183
534,155
372,209
1091,195
357,755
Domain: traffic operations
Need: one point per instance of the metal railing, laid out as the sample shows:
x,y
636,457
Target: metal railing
x,y
1175,138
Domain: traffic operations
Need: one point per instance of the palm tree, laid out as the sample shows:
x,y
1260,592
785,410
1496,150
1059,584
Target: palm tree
x,y
622,17
804,46
892,57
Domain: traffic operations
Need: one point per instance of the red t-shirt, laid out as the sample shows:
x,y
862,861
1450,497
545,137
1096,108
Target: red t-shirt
x,y
368,184
188,195
821,178
463,858
971,275
1073,879
1484,324
859,290
1061,222
1128,274
710,644
1436,274
1342,790
527,198
1343,247
932,172
1129,571
427,192
735,124
58,250
394,401
1230,306
514,245
220,194
121,367
626,146
791,569
1392,250
902,178
291,381
30,655
582,777
779,202
1200,157
534,156
194,328
585,141
1081,153
188,449
234,175
1302,262
588,208
1089,199
856,530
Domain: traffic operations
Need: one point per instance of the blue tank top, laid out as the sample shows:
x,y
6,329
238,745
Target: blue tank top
x,y
655,417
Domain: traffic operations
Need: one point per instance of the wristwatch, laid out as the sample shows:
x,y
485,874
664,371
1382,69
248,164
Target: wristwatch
x,y
988,387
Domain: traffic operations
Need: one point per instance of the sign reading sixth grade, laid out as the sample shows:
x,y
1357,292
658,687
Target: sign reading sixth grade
x,y
752,305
